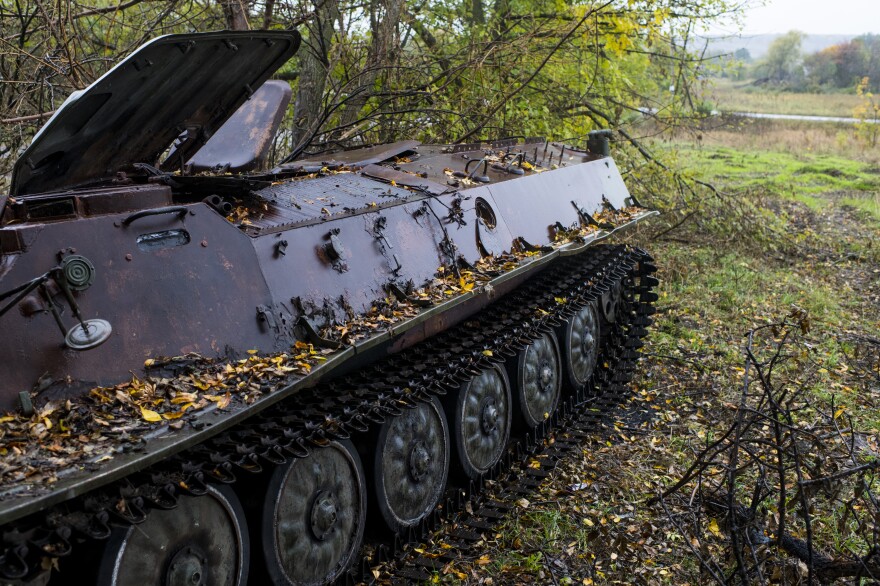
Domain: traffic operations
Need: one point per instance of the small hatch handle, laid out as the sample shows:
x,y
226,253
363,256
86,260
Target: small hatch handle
x,y
179,210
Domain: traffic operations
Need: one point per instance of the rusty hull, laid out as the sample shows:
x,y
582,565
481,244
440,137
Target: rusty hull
x,y
316,248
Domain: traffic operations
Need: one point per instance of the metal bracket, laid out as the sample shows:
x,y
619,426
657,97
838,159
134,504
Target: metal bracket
x,y
27,406
379,230
463,147
524,244
588,218
607,204
379,234
334,248
313,336
509,167
633,201
402,295
505,142
265,314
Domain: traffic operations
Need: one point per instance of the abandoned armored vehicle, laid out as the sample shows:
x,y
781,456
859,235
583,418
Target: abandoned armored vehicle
x,y
211,369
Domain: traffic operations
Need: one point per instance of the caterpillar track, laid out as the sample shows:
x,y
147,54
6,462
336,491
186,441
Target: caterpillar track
x,y
531,458
283,376
348,407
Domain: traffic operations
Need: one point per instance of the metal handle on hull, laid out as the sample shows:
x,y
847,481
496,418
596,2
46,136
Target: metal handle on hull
x,y
179,210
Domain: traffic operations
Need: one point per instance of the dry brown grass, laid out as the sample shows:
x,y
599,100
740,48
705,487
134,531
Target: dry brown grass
x,y
789,136
740,96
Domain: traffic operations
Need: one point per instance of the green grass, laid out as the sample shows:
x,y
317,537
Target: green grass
x,y
709,298
523,537
741,96
799,175
716,294
715,287
869,205
735,289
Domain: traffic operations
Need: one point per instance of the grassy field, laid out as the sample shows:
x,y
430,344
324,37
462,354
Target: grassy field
x,y
593,522
796,139
742,96
820,181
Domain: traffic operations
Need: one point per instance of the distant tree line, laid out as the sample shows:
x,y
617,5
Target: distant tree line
x,y
841,66
845,64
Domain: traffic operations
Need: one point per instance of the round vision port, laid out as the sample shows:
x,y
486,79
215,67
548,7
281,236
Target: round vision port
x,y
485,213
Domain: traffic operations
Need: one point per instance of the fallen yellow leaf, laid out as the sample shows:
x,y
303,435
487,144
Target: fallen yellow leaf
x,y
150,415
221,400
184,398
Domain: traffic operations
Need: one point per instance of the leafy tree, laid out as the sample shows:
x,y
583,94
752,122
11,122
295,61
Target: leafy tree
x,y
783,63
870,44
450,70
742,54
821,67
845,65
730,65
849,59
868,115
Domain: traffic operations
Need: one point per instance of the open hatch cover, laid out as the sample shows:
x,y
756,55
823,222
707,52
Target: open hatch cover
x,y
177,86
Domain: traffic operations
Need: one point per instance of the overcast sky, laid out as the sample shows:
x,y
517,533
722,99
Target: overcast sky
x,y
838,17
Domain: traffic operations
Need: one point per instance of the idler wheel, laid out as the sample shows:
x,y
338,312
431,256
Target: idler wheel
x,y
580,346
479,415
203,541
538,378
313,516
410,464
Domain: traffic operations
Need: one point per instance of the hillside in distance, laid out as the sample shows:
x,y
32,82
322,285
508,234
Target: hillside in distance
x,y
758,45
